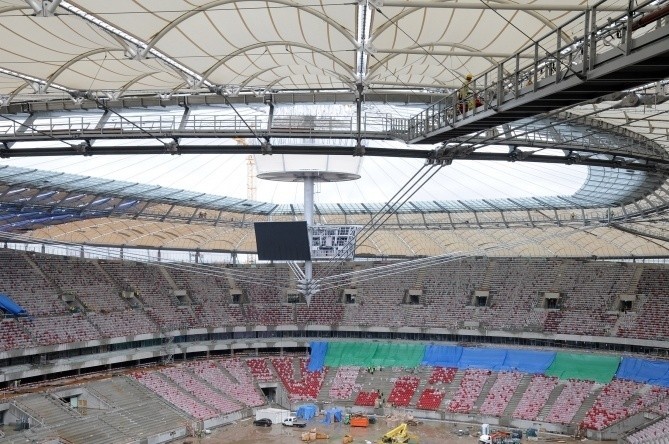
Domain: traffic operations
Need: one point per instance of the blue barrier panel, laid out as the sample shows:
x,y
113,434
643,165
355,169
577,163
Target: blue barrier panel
x,y
317,356
484,358
442,355
644,370
528,361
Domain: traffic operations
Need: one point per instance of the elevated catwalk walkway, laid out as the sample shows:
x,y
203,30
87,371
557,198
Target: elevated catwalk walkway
x,y
608,57
587,58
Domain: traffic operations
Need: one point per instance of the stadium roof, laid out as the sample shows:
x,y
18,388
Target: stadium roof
x,y
127,77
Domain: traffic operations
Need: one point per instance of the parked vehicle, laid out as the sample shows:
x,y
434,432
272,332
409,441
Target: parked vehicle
x,y
263,422
292,421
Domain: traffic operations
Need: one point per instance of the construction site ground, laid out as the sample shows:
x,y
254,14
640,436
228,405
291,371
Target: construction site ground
x,y
430,432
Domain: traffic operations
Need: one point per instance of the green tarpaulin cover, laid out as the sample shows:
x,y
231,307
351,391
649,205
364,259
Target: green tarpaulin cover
x,y
589,367
365,354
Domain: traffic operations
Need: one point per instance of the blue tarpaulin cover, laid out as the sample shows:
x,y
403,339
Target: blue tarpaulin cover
x,y
485,358
527,361
317,357
442,355
11,307
306,411
334,414
644,370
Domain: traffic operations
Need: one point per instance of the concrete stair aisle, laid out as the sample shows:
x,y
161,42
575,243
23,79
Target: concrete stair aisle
x,y
236,381
587,403
116,284
92,430
324,394
484,391
452,389
47,408
490,268
227,373
517,395
379,380
550,401
297,371
168,277
424,374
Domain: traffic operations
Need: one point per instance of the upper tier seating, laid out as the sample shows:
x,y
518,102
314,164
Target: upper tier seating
x,y
588,289
154,291
27,286
12,336
84,279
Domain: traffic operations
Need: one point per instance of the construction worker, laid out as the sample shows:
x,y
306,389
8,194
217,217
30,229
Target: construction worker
x,y
463,95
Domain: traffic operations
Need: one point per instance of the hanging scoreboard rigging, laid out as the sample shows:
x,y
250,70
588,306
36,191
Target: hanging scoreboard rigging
x,y
333,241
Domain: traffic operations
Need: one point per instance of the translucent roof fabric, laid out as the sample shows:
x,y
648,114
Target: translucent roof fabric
x,y
130,47
58,58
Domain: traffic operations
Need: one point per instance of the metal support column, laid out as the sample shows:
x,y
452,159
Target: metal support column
x,y
309,218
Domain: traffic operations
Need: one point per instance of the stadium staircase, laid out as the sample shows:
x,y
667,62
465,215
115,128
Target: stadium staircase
x,y
324,394
587,404
116,284
226,372
454,386
517,396
52,411
489,271
485,390
424,374
550,401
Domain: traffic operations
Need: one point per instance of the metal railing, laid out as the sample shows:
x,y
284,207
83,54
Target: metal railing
x,y
554,58
372,125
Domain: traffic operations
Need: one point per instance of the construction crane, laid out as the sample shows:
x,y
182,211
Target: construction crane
x,y
250,177
251,190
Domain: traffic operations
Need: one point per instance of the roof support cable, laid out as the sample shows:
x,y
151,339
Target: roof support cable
x,y
24,126
371,222
171,147
408,190
264,144
394,208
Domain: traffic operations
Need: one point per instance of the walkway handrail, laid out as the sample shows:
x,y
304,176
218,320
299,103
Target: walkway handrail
x,y
510,80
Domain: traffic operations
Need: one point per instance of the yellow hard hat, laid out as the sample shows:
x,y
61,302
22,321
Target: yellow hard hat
x,y
468,77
